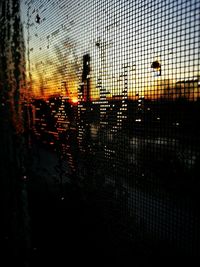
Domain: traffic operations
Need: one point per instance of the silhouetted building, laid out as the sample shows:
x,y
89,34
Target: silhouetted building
x,y
188,88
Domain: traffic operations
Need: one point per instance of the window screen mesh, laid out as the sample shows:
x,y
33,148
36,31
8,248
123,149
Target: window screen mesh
x,y
114,89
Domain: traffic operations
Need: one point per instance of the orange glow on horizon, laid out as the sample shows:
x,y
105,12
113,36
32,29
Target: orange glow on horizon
x,y
74,100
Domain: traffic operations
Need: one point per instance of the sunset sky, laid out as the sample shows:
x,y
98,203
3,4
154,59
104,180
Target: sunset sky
x,y
128,33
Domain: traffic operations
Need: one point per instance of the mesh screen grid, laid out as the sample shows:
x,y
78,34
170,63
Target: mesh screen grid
x,y
115,90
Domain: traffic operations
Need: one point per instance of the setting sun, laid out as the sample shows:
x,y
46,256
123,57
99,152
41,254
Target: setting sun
x,y
74,100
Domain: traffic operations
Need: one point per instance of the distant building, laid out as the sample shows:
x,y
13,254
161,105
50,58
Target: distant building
x,y
188,88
